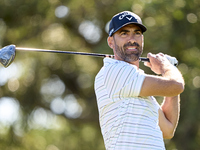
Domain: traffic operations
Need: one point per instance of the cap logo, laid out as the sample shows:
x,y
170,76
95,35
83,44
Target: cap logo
x,y
129,18
123,15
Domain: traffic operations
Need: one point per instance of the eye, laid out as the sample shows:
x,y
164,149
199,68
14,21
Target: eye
x,y
123,33
138,33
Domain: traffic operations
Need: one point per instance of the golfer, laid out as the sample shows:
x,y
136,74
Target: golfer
x,y
130,117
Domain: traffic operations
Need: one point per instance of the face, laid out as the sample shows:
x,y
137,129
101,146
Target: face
x,y
127,43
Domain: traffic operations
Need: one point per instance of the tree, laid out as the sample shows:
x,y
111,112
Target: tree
x,y
54,92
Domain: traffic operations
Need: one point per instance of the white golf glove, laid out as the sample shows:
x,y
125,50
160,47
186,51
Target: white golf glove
x,y
172,60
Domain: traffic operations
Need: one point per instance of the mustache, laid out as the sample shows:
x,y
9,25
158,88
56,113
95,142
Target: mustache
x,y
131,44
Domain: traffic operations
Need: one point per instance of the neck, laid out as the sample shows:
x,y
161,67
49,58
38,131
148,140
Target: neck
x,y
136,63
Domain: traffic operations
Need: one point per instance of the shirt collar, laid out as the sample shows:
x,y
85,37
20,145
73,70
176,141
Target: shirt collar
x,y
107,61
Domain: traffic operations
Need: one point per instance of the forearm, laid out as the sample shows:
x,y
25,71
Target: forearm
x,y
171,110
172,73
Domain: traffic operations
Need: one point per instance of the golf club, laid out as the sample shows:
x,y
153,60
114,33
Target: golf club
x,y
7,54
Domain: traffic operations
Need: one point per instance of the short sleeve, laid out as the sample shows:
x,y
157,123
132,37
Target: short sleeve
x,y
123,81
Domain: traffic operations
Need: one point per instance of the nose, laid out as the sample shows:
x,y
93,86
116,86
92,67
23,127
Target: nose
x,y
132,38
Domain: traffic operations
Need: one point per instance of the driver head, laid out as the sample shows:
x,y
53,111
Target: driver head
x,y
7,55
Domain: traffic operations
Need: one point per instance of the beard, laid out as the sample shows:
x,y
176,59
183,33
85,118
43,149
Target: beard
x,y
128,56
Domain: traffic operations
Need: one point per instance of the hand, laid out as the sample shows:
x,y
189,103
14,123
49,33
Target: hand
x,y
158,63
172,60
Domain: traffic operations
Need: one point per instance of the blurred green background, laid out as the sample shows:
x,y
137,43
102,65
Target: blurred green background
x,y
47,101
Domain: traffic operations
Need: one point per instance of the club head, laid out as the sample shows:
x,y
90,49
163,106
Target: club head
x,y
7,55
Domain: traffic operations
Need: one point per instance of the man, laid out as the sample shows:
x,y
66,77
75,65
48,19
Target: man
x,y
130,117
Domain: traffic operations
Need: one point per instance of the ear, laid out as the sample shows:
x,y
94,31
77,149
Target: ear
x,y
110,42
142,41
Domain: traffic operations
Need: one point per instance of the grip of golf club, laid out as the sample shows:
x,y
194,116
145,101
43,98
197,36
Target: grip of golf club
x,y
143,59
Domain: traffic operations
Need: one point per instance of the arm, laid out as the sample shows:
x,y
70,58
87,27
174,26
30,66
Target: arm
x,y
170,85
169,116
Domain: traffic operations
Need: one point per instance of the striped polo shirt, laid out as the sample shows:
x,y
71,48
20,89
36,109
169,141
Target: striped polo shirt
x,y
127,121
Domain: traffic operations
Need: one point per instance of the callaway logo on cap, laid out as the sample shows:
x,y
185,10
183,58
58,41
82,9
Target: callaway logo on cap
x,y
124,18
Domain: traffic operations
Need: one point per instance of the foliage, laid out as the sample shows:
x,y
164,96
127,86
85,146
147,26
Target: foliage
x,y
55,92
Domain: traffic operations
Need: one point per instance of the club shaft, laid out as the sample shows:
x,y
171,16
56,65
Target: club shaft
x,y
71,52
